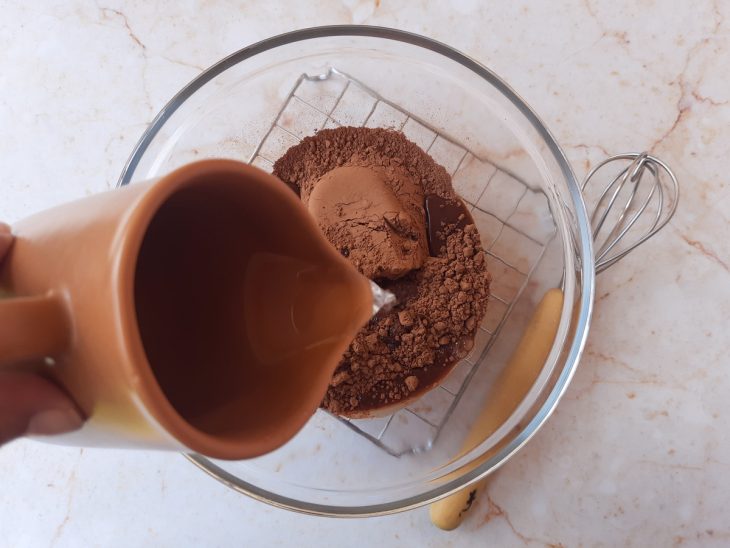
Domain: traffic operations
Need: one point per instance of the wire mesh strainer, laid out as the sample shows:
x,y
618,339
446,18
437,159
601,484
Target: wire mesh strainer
x,y
639,196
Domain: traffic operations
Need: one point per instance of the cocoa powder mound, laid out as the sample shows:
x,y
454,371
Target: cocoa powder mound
x,y
361,216
441,299
409,170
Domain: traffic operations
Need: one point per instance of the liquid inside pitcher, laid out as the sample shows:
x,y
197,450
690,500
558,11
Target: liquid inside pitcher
x,y
243,309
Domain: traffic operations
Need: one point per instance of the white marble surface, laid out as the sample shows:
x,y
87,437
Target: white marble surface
x,y
637,454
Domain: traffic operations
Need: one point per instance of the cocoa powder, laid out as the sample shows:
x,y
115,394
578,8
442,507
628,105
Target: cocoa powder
x,y
408,349
359,213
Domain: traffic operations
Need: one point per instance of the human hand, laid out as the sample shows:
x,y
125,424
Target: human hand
x,y
29,403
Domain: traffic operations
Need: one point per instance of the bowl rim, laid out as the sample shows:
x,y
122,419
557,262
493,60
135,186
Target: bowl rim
x,y
586,262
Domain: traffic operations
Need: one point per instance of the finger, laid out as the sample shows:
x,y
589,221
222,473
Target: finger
x,y
6,239
32,405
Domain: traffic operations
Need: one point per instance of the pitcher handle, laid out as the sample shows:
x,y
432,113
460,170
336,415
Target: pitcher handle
x,y
32,328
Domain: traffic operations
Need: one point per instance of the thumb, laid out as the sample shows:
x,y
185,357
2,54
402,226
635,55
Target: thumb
x,y
32,405
6,239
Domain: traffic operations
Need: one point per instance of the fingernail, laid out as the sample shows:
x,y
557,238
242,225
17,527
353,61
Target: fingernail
x,y
54,421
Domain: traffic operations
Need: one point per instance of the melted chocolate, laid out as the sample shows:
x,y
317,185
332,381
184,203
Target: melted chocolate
x,y
440,213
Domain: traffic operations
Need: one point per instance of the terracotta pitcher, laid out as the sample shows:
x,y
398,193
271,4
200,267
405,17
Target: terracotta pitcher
x,y
200,312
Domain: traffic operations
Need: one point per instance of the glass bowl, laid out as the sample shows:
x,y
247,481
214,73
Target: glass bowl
x,y
521,191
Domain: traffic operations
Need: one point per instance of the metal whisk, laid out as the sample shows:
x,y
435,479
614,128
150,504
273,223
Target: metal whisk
x,y
644,190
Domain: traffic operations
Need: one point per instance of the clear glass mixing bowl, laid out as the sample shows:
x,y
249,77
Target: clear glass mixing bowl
x,y
523,196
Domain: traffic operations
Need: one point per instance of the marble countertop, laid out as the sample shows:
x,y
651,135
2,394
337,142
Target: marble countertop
x,y
638,452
